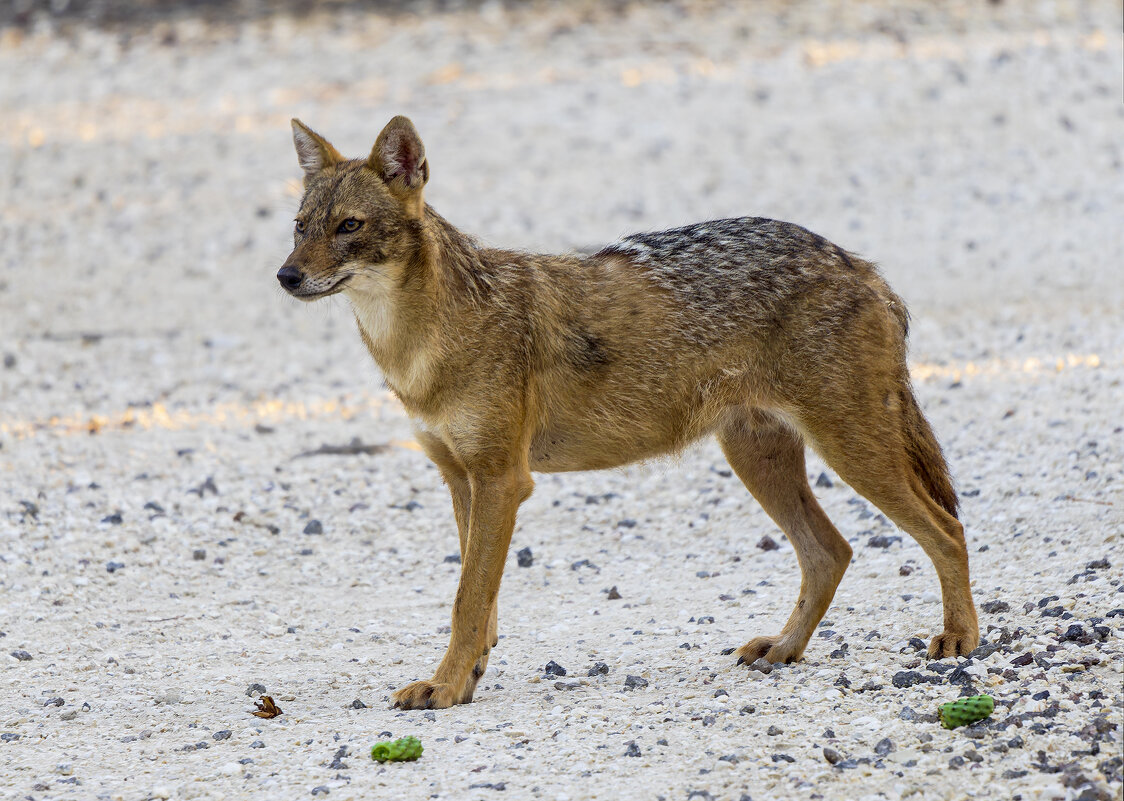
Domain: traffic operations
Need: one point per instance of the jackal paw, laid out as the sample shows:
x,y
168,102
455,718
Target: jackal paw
x,y
773,649
953,643
430,695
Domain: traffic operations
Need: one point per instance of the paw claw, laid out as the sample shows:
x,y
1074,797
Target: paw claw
x,y
952,644
426,695
772,649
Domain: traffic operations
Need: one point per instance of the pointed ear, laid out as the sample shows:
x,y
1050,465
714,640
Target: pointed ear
x,y
398,157
313,151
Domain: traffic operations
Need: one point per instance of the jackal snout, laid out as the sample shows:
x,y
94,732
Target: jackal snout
x,y
304,282
290,277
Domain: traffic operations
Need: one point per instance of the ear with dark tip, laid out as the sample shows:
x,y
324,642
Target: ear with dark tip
x,y
398,157
313,151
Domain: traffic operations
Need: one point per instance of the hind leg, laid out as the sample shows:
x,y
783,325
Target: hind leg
x,y
870,453
768,457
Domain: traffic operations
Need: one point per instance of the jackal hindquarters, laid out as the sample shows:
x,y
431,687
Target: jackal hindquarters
x,y
756,330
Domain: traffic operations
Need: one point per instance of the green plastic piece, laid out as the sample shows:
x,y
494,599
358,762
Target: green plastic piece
x,y
963,711
403,749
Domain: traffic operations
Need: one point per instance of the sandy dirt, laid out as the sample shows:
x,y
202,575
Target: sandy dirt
x,y
167,541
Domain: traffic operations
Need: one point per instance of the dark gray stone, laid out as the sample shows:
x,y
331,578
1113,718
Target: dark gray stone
x,y
635,682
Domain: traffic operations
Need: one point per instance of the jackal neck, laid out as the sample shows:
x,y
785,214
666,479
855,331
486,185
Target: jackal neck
x,y
455,259
402,320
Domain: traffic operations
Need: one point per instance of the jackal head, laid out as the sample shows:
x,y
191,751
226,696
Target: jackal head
x,y
360,219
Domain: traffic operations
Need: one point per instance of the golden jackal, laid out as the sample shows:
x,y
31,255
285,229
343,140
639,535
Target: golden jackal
x,y
759,331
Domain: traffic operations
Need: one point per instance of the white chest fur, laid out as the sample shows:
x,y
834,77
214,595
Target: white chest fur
x,y
408,368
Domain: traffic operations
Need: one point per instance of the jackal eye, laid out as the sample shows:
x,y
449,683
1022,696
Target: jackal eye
x,y
349,226
300,227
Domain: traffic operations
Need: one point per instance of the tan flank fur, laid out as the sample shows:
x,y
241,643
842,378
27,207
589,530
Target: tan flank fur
x,y
754,330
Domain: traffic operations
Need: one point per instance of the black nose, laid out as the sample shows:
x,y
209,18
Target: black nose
x,y
290,277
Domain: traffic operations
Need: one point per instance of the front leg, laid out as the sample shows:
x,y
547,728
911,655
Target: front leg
x,y
496,495
460,489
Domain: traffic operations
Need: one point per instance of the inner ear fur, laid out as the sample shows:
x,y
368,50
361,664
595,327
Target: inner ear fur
x,y
398,157
313,151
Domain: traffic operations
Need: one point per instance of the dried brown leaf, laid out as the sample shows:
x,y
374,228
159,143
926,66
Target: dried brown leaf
x,y
266,708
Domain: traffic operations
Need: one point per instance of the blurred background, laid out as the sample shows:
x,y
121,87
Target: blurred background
x,y
148,180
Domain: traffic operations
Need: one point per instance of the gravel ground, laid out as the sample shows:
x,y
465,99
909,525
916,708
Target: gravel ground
x,y
167,540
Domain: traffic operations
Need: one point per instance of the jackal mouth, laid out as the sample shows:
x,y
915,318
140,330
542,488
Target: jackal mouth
x,y
311,293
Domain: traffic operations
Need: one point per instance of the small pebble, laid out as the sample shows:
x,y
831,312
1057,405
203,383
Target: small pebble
x,y
554,669
357,704
884,746
909,678
633,750
831,755
614,594
635,682
984,651
255,689
524,557
199,554
113,567
824,482
224,734
599,669
314,527
22,656
767,543
762,665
